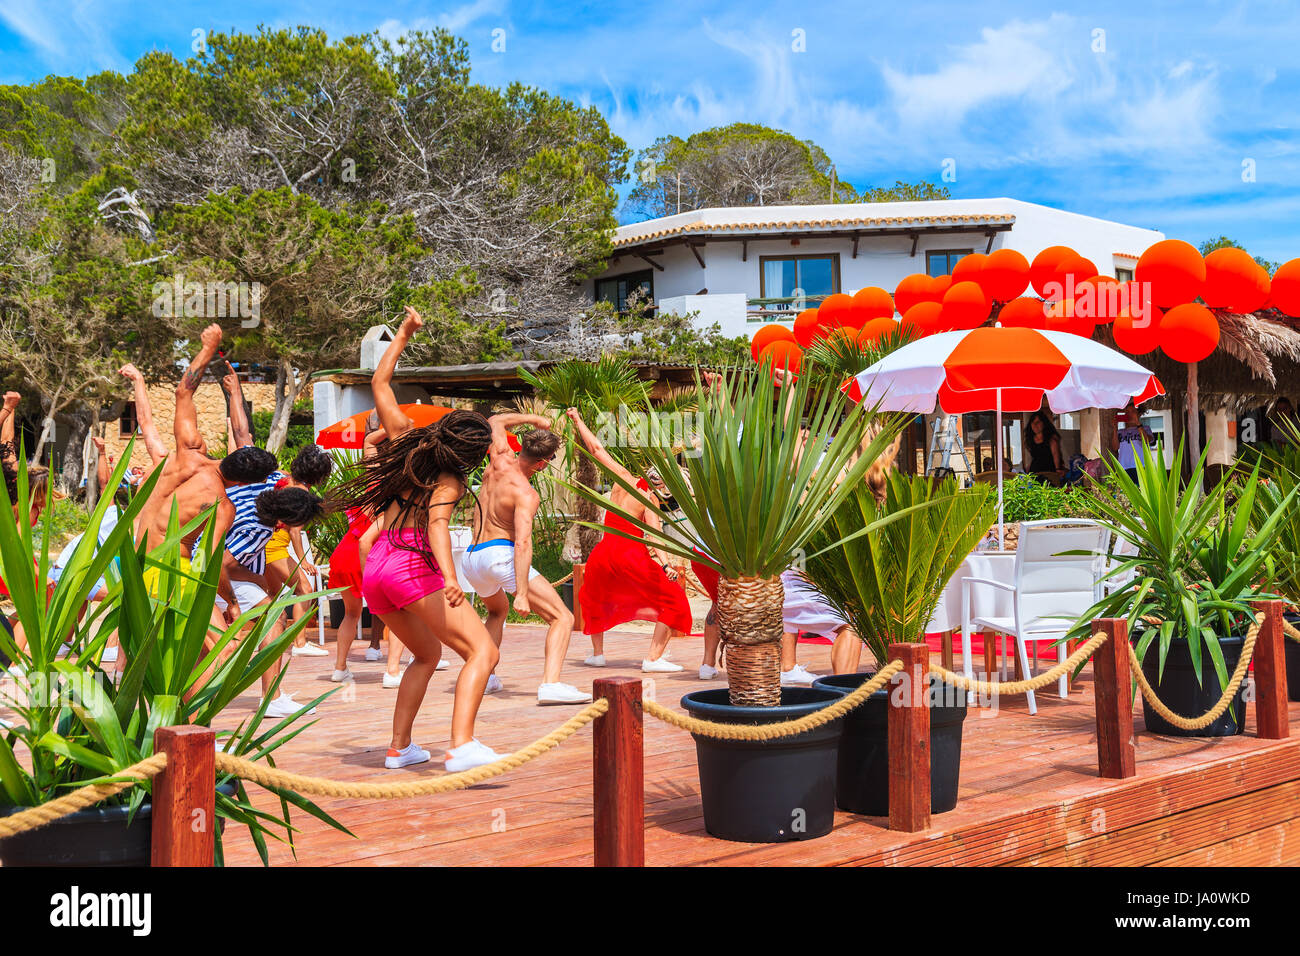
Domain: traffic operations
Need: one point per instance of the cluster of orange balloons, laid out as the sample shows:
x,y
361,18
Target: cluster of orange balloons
x,y
867,315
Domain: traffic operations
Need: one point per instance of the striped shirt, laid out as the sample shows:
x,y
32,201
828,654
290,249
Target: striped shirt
x,y
247,537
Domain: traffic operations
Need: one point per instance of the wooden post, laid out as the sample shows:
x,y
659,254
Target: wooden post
x,y
909,739
618,766
578,570
1112,684
184,797
1272,722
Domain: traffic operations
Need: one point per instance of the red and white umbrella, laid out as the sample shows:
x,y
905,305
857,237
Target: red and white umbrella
x,y
998,369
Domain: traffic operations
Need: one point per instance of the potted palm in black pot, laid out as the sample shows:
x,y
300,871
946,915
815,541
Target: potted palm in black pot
x,y
74,724
887,581
1200,561
757,484
1281,466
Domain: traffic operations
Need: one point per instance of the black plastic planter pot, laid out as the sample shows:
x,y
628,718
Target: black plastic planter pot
x,y
1181,693
767,791
863,772
566,594
1292,659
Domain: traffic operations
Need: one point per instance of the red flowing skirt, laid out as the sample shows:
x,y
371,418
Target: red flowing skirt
x,y
623,583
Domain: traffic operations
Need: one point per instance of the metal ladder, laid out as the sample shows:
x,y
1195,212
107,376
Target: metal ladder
x,y
944,438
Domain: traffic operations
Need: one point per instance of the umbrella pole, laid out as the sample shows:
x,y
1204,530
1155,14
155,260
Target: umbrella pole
x,y
1002,540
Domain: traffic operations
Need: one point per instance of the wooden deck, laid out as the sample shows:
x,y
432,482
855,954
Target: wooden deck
x,y
1030,794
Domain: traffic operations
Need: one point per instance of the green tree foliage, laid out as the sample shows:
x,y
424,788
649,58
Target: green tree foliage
x,y
1223,242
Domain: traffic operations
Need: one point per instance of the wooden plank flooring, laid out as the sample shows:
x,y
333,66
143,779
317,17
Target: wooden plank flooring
x,y
1030,793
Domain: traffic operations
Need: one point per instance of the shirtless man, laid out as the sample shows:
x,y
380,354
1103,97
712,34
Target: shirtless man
x,y
193,481
500,560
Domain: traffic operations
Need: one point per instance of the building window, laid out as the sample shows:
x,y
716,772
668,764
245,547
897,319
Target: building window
x,y
1123,275
616,289
940,261
127,424
783,279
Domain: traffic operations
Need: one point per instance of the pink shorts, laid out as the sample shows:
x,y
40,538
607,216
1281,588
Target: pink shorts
x,y
395,577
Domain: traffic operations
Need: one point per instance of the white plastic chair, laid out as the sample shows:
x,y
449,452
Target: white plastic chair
x,y
1122,550
1050,591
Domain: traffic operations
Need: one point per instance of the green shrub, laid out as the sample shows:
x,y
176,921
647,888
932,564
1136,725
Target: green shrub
x,y
1024,498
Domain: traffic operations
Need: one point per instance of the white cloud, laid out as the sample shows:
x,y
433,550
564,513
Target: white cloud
x,y
1182,69
30,23
455,21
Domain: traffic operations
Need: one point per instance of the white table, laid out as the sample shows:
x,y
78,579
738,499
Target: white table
x,y
985,601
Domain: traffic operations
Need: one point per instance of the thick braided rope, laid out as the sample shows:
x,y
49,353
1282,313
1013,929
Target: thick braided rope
x,y
564,580
787,728
1290,631
1011,688
35,817
1229,692
319,786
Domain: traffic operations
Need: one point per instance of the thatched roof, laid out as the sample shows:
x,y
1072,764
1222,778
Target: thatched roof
x,y
1258,360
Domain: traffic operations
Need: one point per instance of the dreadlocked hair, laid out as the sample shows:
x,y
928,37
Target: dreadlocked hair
x,y
407,469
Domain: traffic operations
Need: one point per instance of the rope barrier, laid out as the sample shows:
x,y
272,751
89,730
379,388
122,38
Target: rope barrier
x,y
320,786
563,581
1012,688
34,817
1213,714
1290,631
786,728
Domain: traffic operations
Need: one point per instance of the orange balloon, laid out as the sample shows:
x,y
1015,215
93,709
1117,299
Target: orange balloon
x,y
1189,332
1070,272
1005,275
876,329
1025,313
939,285
1174,271
970,268
1098,298
873,303
836,311
965,306
911,290
805,327
1234,281
1043,269
924,318
783,354
1285,292
1064,316
1138,333
766,336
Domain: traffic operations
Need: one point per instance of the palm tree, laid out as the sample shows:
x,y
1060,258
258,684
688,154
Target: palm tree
x,y
754,490
594,388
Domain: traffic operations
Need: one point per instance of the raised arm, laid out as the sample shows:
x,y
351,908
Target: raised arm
x,y
240,430
186,426
153,442
103,465
391,416
7,420
504,422
370,444
603,457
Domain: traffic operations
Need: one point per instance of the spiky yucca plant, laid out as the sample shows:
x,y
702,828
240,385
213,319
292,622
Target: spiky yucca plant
x,y
758,486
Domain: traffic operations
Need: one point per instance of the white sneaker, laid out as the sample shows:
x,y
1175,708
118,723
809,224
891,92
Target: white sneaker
x,y
285,706
556,692
707,672
797,676
339,677
443,663
661,666
372,654
392,680
494,686
595,660
470,755
397,759
308,650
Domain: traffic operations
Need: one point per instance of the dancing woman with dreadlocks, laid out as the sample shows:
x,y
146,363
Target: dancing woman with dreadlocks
x,y
412,486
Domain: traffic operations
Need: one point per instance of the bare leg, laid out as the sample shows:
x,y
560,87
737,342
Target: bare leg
x,y
711,637
395,650
846,652
659,641
347,632
788,644
598,644
498,608
559,620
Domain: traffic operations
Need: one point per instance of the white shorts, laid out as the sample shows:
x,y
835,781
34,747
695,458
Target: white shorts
x,y
247,594
806,609
490,567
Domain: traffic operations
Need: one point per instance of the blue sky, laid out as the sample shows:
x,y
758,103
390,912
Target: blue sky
x,y
1177,116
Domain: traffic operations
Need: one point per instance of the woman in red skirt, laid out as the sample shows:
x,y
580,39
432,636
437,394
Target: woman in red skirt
x,y
626,580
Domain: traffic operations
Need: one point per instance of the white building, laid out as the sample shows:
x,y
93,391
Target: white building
x,y
745,267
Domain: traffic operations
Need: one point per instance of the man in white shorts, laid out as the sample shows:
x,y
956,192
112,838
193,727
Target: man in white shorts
x,y
500,560
807,611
